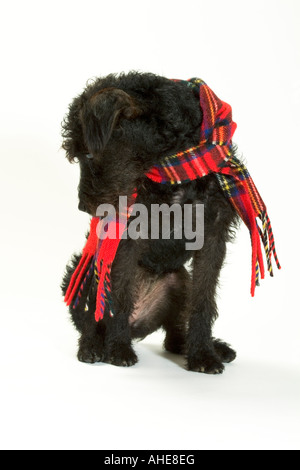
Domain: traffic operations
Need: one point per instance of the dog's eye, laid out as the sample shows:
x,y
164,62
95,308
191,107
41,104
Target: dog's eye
x,y
89,156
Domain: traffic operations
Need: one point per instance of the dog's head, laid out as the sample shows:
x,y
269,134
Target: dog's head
x,y
120,126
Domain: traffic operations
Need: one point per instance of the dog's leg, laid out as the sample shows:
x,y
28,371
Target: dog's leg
x,y
118,341
204,354
91,341
118,347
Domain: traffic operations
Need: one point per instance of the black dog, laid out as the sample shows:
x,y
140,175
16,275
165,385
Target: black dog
x,y
117,129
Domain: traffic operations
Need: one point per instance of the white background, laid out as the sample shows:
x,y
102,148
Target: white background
x,y
248,52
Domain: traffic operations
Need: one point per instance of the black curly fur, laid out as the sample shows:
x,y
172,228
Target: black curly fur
x,y
128,122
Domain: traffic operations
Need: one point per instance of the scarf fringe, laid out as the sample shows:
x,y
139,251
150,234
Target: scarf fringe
x,y
104,297
266,238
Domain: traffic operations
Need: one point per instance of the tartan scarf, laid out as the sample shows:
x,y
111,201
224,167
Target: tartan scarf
x,y
214,155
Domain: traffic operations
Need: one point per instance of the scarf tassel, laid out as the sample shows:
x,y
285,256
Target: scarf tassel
x,y
259,237
269,242
264,235
104,297
83,284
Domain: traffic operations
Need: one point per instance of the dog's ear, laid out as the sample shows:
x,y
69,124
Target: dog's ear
x,y
102,113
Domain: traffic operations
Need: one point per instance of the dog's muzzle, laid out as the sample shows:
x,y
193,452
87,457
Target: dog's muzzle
x,y
82,207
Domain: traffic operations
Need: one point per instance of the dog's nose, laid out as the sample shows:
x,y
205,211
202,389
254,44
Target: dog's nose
x,y
82,207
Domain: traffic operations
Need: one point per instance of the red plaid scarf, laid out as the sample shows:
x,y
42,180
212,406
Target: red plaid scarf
x,y
213,155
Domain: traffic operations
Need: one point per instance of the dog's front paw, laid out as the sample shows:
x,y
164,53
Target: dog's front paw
x,y
89,355
90,350
206,363
122,355
224,351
